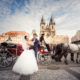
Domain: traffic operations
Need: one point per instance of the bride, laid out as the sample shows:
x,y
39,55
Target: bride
x,y
26,64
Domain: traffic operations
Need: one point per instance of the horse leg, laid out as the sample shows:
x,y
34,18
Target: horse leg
x,y
72,57
77,58
65,56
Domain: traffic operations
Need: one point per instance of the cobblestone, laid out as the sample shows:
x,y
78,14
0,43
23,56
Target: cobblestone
x,y
47,72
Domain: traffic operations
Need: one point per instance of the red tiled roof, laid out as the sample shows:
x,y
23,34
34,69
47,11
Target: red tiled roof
x,y
16,32
1,35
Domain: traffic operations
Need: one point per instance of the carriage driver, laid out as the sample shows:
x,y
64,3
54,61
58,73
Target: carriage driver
x,y
47,45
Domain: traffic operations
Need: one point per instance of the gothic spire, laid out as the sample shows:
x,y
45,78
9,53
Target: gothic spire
x,y
42,20
51,20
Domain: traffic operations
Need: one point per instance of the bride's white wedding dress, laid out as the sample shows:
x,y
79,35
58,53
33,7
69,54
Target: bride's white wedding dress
x,y
26,64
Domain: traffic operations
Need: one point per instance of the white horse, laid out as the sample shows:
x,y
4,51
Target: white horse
x,y
73,48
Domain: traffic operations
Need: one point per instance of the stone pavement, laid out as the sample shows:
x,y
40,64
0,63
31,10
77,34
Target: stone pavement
x,y
53,71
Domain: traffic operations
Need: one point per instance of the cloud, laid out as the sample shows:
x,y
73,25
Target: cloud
x,y
19,22
61,19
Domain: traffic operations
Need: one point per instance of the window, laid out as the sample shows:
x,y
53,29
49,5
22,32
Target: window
x,y
52,27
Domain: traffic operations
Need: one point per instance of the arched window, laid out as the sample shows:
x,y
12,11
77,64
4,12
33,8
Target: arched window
x,y
52,27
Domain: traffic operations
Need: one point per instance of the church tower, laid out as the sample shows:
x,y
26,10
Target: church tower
x,y
52,26
42,26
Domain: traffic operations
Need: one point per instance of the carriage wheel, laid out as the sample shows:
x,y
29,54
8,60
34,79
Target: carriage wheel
x,y
42,57
6,59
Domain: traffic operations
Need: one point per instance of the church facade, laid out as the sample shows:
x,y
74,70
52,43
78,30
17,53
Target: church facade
x,y
50,33
49,29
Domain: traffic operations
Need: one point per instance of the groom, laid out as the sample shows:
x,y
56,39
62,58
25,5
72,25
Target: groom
x,y
35,47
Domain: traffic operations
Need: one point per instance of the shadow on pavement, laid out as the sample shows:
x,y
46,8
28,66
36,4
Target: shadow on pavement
x,y
23,77
74,73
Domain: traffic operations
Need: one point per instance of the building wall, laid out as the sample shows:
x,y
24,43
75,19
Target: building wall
x,y
15,37
76,37
3,38
57,39
61,39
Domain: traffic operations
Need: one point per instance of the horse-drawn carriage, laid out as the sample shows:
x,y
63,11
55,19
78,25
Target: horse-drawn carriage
x,y
59,51
8,53
44,51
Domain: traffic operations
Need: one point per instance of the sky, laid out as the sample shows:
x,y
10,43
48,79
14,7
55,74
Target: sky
x,y
25,15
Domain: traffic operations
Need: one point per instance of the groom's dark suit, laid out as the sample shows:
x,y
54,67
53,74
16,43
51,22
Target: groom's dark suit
x,y
35,47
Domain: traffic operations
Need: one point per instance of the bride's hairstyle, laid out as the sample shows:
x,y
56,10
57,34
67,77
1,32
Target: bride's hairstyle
x,y
25,37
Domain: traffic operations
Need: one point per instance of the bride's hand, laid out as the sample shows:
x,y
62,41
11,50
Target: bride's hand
x,y
31,39
27,48
30,43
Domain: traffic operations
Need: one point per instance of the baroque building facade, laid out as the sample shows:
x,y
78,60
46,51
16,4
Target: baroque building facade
x,y
15,36
49,29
